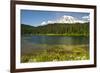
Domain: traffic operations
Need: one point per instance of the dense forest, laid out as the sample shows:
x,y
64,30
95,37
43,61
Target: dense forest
x,y
76,29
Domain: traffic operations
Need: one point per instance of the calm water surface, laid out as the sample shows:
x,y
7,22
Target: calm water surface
x,y
29,43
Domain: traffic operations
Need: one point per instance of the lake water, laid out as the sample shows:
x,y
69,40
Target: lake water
x,y
29,43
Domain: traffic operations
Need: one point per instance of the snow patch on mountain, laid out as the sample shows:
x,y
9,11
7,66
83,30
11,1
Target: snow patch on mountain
x,y
43,23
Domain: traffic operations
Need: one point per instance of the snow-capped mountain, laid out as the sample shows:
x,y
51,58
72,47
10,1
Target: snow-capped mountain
x,y
69,19
65,19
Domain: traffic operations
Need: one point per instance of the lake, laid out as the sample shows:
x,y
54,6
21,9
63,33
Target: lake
x,y
29,43
52,40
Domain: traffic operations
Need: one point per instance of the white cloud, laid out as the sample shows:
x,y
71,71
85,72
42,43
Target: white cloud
x,y
43,23
86,18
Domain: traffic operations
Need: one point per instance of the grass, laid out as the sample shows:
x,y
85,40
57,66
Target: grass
x,y
58,53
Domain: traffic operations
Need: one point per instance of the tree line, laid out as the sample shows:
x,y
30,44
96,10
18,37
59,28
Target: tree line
x,y
57,28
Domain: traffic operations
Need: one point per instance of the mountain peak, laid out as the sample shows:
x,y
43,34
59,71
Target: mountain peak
x,y
69,19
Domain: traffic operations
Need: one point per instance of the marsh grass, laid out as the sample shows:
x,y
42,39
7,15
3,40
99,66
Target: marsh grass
x,y
57,53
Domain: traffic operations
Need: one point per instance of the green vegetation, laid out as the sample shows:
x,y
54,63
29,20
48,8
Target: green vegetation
x,y
57,29
58,53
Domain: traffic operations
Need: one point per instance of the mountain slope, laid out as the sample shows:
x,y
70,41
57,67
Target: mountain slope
x,y
26,29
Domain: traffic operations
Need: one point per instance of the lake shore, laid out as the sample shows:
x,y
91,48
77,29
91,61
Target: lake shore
x,y
84,35
57,53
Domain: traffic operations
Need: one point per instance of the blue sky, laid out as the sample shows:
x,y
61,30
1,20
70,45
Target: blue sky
x,y
36,17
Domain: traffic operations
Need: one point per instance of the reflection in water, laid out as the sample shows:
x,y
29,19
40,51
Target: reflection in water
x,y
30,43
56,40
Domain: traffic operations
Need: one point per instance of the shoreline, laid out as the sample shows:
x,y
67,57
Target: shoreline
x,y
70,35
